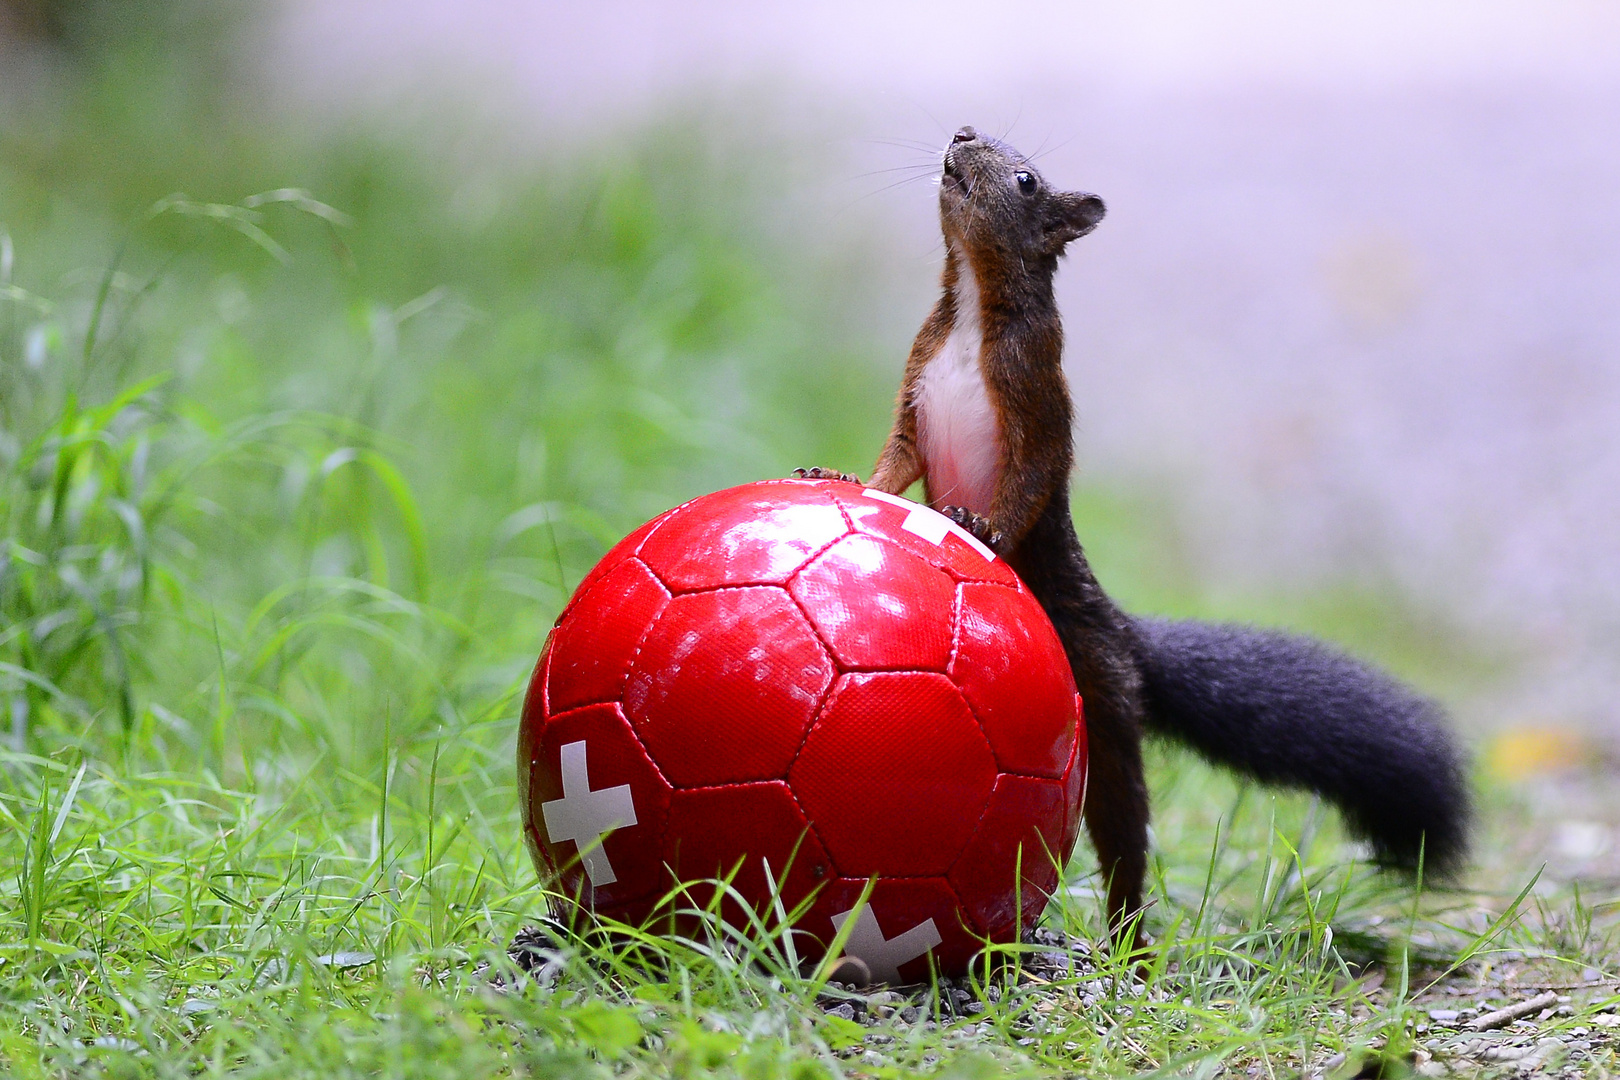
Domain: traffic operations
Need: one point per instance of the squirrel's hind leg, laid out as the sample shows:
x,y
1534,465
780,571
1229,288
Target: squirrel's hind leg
x,y
977,525
1116,815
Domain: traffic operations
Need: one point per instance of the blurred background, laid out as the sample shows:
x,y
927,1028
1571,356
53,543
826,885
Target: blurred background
x,y
1355,315
1346,351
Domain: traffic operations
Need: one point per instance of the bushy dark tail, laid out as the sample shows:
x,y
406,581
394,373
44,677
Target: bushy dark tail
x,y
1289,710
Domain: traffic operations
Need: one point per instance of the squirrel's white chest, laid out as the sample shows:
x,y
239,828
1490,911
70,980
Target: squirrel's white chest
x,y
957,429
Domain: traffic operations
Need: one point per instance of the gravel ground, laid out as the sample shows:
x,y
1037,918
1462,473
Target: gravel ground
x,y
1512,1011
1494,1020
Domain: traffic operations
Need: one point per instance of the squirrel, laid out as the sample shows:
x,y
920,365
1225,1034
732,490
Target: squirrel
x,y
984,419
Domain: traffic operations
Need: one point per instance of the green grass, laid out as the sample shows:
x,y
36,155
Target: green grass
x,y
291,488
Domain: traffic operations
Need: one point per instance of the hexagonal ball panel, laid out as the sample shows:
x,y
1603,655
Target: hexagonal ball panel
x,y
531,723
743,536
993,877
877,517
1013,671
893,774
711,828
613,759
725,686
877,606
1074,783
537,851
644,911
592,646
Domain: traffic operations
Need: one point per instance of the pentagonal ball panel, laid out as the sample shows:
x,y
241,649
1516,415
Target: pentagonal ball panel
x,y
1014,858
1002,637
755,832
593,645
894,774
745,536
878,606
725,685
619,552
599,804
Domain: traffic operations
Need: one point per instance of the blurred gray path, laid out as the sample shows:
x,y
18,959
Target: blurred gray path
x,y
1358,295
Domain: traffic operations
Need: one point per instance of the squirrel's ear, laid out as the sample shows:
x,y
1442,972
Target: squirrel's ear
x,y
1072,214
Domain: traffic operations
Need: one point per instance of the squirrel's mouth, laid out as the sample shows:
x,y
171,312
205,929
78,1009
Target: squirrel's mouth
x,y
954,176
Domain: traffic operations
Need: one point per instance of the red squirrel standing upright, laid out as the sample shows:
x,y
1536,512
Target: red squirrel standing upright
x,y
984,419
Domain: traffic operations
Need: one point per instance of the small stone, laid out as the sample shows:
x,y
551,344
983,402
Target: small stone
x,y
1445,1016
114,1042
346,961
1546,1048
884,1002
852,971
974,1008
908,1015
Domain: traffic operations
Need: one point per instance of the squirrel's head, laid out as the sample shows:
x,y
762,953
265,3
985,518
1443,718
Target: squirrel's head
x,y
992,201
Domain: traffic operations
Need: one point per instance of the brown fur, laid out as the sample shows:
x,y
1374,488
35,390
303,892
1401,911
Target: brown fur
x,y
1012,241
1280,708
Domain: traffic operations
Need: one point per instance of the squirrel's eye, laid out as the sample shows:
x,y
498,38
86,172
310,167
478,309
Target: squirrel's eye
x,y
1026,182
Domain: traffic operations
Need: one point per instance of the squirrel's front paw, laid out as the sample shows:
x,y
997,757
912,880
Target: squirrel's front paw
x,y
826,474
978,526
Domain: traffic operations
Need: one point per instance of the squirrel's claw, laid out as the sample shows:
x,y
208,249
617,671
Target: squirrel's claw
x,y
978,526
826,474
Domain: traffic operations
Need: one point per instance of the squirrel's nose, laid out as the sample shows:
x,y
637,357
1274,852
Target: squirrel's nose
x,y
966,134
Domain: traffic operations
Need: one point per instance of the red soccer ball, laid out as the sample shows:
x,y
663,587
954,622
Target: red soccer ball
x,y
824,680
